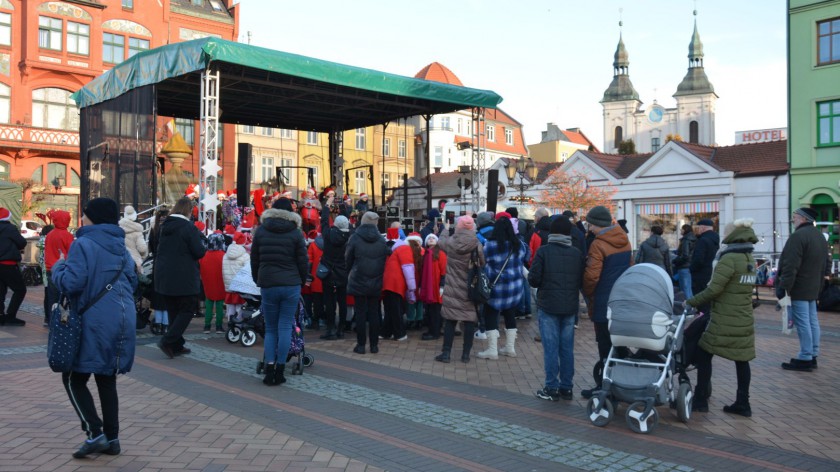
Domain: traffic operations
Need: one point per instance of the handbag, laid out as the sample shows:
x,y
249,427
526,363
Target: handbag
x,y
480,287
147,269
323,271
65,336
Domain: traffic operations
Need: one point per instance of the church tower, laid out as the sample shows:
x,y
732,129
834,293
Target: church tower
x,y
696,97
620,102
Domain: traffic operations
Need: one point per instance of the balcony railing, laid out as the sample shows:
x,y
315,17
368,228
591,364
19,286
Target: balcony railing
x,y
31,136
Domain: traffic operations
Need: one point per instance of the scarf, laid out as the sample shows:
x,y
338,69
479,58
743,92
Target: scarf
x,y
744,248
560,239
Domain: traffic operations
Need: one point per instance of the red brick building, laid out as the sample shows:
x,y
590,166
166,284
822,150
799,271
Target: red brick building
x,y
50,49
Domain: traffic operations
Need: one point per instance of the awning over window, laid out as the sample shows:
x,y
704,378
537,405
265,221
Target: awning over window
x,y
686,208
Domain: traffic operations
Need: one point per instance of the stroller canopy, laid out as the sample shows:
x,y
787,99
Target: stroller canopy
x,y
641,305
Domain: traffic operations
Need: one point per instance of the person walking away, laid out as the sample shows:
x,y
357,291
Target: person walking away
x,y
108,335
134,240
731,331
654,250
802,266
176,274
557,274
432,282
461,249
682,262
236,257
608,256
156,300
399,286
278,266
11,243
55,247
335,284
366,256
213,281
505,254
705,249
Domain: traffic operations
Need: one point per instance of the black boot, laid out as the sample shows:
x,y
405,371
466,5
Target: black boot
x,y
798,365
269,375
469,335
443,356
741,405
279,378
814,362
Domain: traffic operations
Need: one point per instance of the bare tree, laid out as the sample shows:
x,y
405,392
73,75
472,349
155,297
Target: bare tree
x,y
572,191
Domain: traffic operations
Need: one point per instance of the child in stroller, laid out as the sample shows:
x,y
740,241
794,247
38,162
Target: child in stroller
x,y
641,317
245,325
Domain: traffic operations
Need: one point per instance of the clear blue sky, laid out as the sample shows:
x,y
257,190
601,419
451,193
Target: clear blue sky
x,y
550,60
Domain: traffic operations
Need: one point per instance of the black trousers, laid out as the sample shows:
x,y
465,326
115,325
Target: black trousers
x,y
703,361
393,323
334,296
75,384
491,318
432,311
367,317
449,335
11,278
181,310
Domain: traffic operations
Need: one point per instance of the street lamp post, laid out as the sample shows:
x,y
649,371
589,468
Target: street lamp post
x,y
524,168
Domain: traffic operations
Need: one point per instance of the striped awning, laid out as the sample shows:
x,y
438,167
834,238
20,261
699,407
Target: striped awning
x,y
687,208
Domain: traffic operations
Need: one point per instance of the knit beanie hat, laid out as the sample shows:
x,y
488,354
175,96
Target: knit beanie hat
x,y
599,216
102,210
5,214
282,204
342,223
465,222
809,214
503,214
130,213
229,229
431,240
561,225
484,218
370,218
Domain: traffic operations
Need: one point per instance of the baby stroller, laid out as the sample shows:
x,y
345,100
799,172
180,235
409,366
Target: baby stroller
x,y
247,324
641,317
297,349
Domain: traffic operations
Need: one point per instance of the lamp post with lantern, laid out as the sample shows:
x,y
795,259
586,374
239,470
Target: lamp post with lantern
x,y
524,167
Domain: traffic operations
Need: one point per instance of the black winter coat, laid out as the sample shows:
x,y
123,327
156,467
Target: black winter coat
x,y
278,253
366,254
705,251
802,264
179,248
335,243
685,251
11,242
557,273
655,250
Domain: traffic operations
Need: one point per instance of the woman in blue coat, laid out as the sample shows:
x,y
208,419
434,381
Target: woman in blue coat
x,y
108,324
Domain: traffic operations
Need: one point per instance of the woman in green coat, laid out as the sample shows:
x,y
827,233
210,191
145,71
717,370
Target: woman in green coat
x,y
731,331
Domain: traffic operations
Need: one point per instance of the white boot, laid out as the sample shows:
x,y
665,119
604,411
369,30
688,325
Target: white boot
x,y
492,351
510,340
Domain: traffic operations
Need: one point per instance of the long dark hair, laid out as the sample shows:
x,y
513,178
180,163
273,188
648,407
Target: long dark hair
x,y
503,235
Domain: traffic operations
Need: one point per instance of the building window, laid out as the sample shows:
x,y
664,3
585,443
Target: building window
x,y
113,48
469,128
78,38
654,144
444,123
491,133
53,108
198,2
618,137
136,45
360,139
828,123
128,4
431,123
312,137
286,134
186,128
386,147
4,171
217,6
267,169
438,156
285,173
386,180
75,180
5,29
56,174
828,45
38,175
5,103
247,129
361,186
509,136
314,177
267,131
49,33
693,132
401,148
459,126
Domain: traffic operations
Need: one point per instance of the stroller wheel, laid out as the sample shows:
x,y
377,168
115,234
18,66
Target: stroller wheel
x,y
635,421
308,360
233,334
296,370
684,397
298,365
599,414
249,337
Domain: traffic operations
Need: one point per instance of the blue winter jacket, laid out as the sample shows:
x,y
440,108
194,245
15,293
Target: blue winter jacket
x,y
108,327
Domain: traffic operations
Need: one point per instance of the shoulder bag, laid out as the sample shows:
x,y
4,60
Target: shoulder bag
x,y
323,271
66,330
480,288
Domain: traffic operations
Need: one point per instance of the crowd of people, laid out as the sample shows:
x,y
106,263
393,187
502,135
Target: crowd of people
x,y
353,277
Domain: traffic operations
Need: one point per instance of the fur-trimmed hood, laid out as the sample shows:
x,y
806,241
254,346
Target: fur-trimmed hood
x,y
282,215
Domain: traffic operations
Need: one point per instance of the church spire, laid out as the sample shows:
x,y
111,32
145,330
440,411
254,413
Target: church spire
x,y
695,47
621,88
695,81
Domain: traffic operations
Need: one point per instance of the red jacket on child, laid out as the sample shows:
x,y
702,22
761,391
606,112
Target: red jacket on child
x,y
58,240
211,275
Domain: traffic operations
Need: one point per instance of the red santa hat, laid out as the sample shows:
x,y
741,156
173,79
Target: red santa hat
x,y
192,191
201,226
503,214
363,196
286,194
239,238
221,195
309,193
5,214
229,229
392,234
415,237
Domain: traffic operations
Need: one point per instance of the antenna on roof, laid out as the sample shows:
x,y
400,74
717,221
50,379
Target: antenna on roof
x,y
621,17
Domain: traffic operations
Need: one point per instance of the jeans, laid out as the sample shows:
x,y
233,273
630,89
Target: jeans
x,y
75,384
558,340
278,306
807,328
685,282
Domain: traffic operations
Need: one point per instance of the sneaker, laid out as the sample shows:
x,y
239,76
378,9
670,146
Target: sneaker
x,y
404,338
374,349
220,330
113,448
551,394
207,329
566,394
359,349
92,446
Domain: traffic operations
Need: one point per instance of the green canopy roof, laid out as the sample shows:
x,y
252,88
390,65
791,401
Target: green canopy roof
x,y
276,89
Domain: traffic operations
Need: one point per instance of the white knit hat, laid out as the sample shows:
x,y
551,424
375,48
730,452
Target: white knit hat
x,y
130,213
430,236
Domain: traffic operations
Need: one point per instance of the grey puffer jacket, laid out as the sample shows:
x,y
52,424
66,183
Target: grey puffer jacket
x,y
655,251
458,248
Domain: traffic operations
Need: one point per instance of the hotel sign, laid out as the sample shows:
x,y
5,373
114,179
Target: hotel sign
x,y
760,135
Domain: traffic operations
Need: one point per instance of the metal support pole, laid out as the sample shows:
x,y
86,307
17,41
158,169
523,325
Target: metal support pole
x,y
428,168
208,149
405,195
337,161
479,170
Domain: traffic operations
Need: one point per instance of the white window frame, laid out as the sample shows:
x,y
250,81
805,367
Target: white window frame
x,y
60,114
5,28
459,126
401,149
247,129
312,138
438,156
286,172
78,38
386,147
266,168
314,177
266,131
386,179
361,182
360,139
286,133
5,103
50,31
444,123
509,136
490,132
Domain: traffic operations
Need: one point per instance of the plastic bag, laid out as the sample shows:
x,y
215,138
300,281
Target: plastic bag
x,y
787,314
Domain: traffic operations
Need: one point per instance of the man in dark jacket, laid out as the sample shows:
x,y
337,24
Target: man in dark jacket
x,y
557,273
366,253
655,250
708,243
682,263
176,274
433,226
802,267
484,224
11,243
335,284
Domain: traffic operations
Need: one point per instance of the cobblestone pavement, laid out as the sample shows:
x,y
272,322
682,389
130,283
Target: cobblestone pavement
x,y
400,410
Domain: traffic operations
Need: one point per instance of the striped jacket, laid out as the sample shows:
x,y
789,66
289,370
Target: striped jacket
x,y
509,288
